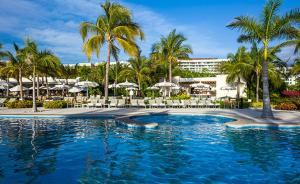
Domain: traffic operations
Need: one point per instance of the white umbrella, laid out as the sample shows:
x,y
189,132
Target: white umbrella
x,y
114,85
17,89
127,84
228,88
4,83
153,88
87,84
131,88
176,88
61,87
75,90
165,85
200,85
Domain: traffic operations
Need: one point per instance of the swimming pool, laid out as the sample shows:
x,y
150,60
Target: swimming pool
x,y
195,149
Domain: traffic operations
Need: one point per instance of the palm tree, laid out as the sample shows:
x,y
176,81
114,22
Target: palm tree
x,y
269,27
170,49
138,70
115,28
36,58
256,59
16,64
237,68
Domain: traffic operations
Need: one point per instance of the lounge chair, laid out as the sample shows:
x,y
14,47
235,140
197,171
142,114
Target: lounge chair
x,y
194,103
121,103
141,103
185,103
134,103
92,103
160,103
152,103
113,103
176,103
169,103
202,104
2,100
100,103
210,104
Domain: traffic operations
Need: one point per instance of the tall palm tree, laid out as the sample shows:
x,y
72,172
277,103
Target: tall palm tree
x,y
138,70
170,49
116,29
16,64
269,27
36,58
237,68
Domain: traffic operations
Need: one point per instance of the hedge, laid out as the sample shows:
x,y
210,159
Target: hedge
x,y
58,104
22,104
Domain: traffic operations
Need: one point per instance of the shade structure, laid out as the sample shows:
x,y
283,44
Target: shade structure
x,y
75,90
131,88
200,85
165,84
153,88
17,89
60,87
176,88
127,84
4,83
114,85
3,87
228,88
87,84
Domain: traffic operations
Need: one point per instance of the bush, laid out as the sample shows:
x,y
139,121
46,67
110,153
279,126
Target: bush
x,y
55,104
256,104
291,93
19,104
181,96
286,106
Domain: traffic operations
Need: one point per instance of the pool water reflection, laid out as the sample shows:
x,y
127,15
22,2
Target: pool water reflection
x,y
183,149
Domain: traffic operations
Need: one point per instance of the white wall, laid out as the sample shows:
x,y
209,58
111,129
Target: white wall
x,y
221,82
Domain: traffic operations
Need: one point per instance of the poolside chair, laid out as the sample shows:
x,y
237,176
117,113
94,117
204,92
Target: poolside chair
x,y
194,103
113,103
134,103
202,103
210,104
160,103
121,103
152,103
92,103
2,100
169,103
100,103
177,103
185,103
141,103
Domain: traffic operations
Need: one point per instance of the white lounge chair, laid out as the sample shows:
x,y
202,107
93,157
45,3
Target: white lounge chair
x,y
113,103
141,103
152,103
121,103
134,103
2,100
160,103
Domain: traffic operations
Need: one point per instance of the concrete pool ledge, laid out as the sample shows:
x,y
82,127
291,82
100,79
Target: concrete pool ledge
x,y
245,118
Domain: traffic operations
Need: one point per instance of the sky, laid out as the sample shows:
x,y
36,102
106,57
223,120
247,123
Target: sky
x,y
54,24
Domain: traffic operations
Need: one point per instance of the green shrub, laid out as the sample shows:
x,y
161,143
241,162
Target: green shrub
x,y
256,104
181,96
19,104
55,104
286,106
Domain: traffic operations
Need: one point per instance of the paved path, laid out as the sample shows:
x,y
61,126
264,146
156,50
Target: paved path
x,y
246,117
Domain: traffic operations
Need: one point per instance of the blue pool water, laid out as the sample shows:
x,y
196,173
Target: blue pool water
x,y
183,149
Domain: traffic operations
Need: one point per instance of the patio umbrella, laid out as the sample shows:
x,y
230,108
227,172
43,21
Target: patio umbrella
x,y
200,85
165,85
17,89
131,88
87,84
127,84
114,85
75,90
153,88
228,88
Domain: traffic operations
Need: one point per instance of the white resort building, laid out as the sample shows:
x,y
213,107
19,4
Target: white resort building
x,y
201,64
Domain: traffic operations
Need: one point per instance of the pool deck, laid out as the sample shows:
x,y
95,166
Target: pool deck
x,y
245,117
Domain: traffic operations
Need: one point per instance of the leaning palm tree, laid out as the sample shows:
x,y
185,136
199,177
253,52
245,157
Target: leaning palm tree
x,y
170,49
269,27
237,68
116,29
16,64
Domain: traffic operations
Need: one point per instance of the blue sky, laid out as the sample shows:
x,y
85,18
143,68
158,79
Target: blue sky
x,y
55,24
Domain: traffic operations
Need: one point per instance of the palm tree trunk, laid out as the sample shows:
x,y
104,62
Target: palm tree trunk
x,y
7,87
238,89
170,71
47,86
33,92
267,111
257,86
21,84
38,87
107,72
